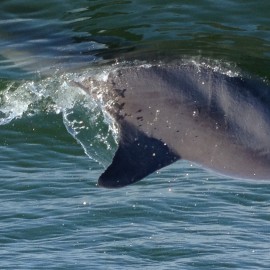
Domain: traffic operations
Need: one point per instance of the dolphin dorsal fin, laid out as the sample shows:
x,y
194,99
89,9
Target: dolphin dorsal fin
x,y
137,156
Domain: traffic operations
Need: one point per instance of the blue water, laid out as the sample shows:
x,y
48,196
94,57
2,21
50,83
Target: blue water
x,y
55,140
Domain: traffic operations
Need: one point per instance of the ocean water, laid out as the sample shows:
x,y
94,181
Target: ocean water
x,y
55,140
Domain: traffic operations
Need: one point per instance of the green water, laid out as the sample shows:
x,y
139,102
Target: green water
x,y
54,142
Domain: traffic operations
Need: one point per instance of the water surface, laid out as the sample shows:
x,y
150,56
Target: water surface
x,y
55,142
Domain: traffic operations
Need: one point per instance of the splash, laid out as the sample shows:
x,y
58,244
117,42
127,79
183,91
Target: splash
x,y
83,117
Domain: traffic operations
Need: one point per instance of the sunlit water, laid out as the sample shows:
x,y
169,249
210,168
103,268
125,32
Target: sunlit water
x,y
55,140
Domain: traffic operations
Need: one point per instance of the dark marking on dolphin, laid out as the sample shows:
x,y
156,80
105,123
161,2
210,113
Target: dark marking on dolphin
x,y
189,112
121,92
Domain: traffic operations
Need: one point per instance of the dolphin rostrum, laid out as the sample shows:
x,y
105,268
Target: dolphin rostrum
x,y
172,111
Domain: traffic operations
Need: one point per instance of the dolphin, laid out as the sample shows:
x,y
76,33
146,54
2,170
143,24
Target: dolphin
x,y
171,111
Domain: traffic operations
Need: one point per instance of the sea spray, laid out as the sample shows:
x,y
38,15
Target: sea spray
x,y
83,117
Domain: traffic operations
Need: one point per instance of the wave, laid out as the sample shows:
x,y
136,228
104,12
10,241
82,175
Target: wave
x,y
82,116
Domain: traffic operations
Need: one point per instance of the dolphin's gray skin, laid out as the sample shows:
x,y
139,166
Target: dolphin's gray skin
x,y
176,111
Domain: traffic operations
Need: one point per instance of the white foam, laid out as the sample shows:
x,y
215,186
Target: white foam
x,y
82,116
